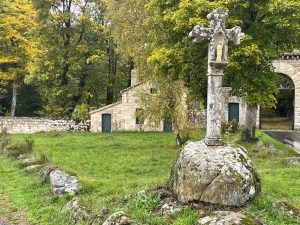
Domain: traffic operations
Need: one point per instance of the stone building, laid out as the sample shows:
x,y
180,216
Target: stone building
x,y
121,115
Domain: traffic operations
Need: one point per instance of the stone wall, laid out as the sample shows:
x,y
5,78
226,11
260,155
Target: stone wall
x,y
32,125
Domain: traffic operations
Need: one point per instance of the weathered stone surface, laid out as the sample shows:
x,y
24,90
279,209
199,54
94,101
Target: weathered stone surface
x,y
118,218
99,216
215,174
29,160
293,160
77,212
283,206
32,125
260,144
32,168
62,183
268,146
45,171
229,218
170,206
21,156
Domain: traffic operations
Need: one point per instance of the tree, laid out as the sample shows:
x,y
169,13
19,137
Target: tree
x,y
16,21
126,18
265,23
249,72
71,63
126,29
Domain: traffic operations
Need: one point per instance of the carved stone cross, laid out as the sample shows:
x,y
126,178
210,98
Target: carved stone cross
x,y
218,38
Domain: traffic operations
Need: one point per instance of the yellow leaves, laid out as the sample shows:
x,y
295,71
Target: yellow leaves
x,y
93,59
9,60
83,17
82,48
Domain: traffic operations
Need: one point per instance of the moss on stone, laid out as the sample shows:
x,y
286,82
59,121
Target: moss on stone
x,y
249,220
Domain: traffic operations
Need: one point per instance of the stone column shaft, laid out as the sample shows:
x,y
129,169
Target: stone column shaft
x,y
214,104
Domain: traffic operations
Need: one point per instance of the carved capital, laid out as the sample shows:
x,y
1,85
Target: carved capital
x,y
217,67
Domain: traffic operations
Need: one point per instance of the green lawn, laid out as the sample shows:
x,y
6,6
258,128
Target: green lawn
x,y
111,165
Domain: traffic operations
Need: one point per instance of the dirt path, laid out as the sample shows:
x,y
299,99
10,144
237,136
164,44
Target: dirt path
x,y
8,214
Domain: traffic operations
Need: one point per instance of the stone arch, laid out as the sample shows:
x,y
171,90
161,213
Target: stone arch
x,y
291,68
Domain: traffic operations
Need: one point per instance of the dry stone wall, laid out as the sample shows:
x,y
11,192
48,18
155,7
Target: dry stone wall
x,y
32,125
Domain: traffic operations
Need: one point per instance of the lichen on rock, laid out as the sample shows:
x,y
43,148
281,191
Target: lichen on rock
x,y
215,174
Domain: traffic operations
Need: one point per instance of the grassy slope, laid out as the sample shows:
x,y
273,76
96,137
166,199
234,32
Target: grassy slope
x,y
117,164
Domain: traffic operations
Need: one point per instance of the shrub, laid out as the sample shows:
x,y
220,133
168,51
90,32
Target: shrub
x,y
229,127
18,148
5,139
81,113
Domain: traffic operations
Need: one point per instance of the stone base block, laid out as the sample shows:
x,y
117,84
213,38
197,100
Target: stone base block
x,y
221,175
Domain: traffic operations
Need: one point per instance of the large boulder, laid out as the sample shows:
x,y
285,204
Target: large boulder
x,y
45,172
62,183
221,175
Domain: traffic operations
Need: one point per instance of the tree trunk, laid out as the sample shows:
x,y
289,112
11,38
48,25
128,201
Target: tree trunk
x,y
112,71
13,101
248,133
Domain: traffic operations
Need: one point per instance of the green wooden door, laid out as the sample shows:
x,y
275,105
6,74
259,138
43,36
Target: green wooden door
x,y
168,125
106,123
233,112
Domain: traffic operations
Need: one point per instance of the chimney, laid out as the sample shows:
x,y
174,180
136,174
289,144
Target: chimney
x,y
134,78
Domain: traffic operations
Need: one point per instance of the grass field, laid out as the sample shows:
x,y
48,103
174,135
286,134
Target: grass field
x,y
112,165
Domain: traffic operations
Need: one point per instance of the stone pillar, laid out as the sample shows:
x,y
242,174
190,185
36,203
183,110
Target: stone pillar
x,y
214,104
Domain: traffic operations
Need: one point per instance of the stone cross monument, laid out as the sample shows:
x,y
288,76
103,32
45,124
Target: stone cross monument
x,y
218,38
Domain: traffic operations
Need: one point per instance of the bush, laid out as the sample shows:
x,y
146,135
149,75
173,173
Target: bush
x,y
5,139
18,148
229,127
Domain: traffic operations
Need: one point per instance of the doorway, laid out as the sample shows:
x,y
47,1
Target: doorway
x,y
106,123
282,116
233,112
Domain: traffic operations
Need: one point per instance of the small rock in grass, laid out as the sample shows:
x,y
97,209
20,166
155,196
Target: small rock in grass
x,y
293,160
28,160
32,168
282,206
77,212
228,218
118,218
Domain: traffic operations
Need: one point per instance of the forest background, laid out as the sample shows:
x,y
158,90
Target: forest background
x,y
60,57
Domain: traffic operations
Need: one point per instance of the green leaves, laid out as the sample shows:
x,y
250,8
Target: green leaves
x,y
249,73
